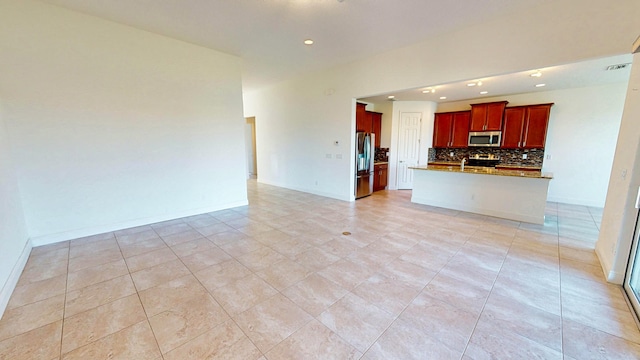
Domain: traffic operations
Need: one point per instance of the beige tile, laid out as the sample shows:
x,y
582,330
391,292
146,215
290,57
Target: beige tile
x,y
283,274
314,341
462,294
260,259
386,293
577,269
36,270
584,342
185,321
226,236
135,237
94,259
182,237
96,274
169,228
243,294
585,255
222,274
403,341
54,252
28,317
170,294
340,247
272,321
36,291
202,220
225,341
358,322
432,258
93,247
153,258
194,246
532,323
205,258
346,273
132,230
40,343
91,239
495,342
98,294
448,324
316,259
315,294
408,274
142,247
214,229
537,287
135,342
156,275
91,325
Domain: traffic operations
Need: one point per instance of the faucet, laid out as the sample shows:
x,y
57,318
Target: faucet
x,y
462,164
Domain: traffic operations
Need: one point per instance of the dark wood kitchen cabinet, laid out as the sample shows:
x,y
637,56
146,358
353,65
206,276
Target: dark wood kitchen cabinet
x,y
487,116
525,127
369,121
380,176
451,129
376,126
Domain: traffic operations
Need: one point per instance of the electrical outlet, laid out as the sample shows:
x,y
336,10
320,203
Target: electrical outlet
x,y
338,156
328,156
451,154
548,157
524,156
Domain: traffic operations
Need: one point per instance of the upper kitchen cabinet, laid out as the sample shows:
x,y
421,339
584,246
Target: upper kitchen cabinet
x,y
363,120
376,126
451,129
525,127
487,116
369,121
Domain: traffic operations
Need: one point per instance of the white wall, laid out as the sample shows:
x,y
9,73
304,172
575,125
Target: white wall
x,y
297,121
114,127
14,244
619,217
581,138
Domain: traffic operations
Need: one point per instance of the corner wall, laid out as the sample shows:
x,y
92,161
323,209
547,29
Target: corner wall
x,y
14,241
619,217
113,127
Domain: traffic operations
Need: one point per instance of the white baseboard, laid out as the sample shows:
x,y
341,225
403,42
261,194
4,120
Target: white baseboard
x,y
12,281
100,229
607,268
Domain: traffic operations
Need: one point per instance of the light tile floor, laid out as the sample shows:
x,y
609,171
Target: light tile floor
x,y
278,280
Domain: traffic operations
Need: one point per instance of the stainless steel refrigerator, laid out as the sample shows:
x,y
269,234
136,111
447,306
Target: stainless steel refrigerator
x,y
364,164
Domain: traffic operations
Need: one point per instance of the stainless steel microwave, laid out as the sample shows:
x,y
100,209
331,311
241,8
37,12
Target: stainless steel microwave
x,y
485,139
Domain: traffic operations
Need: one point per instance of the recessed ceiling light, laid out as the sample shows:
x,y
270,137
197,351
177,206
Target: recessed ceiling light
x,y
391,97
483,92
442,97
479,83
471,84
536,74
429,91
308,42
541,85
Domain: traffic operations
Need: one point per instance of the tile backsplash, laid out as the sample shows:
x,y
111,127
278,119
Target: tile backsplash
x,y
382,154
507,156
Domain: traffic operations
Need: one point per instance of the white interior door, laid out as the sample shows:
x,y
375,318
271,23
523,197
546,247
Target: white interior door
x,y
408,147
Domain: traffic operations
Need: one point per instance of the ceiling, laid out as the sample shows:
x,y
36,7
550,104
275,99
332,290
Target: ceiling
x,y
582,74
268,34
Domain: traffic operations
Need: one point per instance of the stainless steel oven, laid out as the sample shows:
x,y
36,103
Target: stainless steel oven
x,y
485,139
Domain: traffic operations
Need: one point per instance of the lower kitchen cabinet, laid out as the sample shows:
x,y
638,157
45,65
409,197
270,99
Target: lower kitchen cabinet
x,y
380,176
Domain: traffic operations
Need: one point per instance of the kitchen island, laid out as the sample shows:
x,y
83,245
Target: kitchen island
x,y
514,194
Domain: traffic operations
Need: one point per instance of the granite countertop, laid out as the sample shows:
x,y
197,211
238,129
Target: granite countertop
x,y
455,167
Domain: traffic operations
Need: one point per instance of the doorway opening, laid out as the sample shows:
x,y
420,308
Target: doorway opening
x,y
250,143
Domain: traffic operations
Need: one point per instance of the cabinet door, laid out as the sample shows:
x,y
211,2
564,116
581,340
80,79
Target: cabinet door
x,y
495,111
513,126
383,181
442,130
376,127
376,177
478,117
535,132
361,115
460,129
